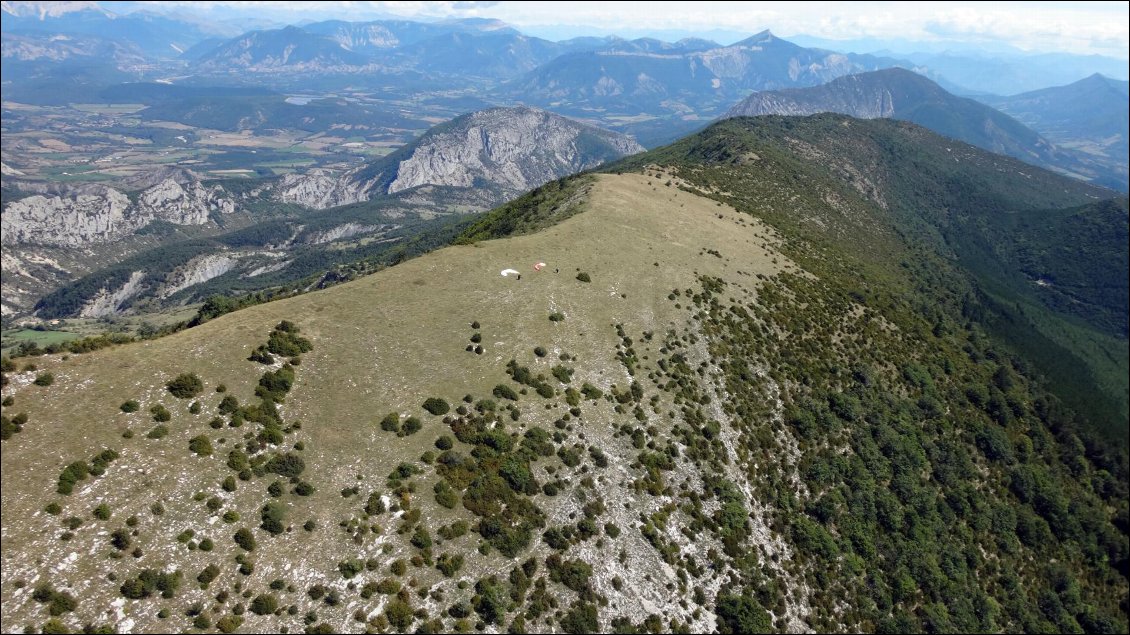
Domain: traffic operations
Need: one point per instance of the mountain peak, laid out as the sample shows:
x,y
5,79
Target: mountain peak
x,y
763,37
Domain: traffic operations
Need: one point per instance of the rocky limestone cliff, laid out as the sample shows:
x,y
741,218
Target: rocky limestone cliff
x,y
196,271
485,158
103,214
346,230
516,149
320,189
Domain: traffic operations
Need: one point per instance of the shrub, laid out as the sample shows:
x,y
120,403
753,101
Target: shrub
x,y
158,432
62,602
742,614
583,618
9,427
160,413
445,442
539,351
44,379
436,406
229,623
201,445
505,392
208,574
391,423
350,568
102,512
272,515
449,564
260,354
562,373
446,495
71,474
287,342
412,425
374,505
245,539
304,489
264,604
130,406
421,539
399,614
574,574
185,386
228,405
584,277
287,465
557,316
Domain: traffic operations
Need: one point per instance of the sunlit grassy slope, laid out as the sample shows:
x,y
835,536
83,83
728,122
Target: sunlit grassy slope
x,y
787,398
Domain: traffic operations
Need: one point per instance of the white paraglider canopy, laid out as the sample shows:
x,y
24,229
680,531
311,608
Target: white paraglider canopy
x,y
506,272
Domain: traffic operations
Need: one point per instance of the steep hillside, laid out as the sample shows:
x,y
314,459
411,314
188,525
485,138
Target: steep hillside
x,y
1090,115
756,387
950,199
901,94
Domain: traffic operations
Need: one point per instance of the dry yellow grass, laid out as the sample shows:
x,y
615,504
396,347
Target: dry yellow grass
x,y
382,343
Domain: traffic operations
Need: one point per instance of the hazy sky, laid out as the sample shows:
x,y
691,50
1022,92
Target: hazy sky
x,y
1077,27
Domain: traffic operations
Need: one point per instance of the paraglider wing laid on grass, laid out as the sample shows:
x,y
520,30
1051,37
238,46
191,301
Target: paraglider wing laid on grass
x,y
505,273
539,266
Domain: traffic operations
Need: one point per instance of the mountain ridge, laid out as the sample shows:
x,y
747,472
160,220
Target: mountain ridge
x,y
787,395
905,95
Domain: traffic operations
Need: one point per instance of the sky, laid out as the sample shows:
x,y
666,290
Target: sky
x,y
1077,27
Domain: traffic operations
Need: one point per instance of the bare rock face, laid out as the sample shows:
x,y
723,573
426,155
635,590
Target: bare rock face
x,y
103,214
515,149
485,157
196,271
109,301
319,189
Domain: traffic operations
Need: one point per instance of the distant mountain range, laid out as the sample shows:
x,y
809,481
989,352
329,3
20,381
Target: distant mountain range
x,y
901,94
693,77
1089,115
158,36
1007,74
